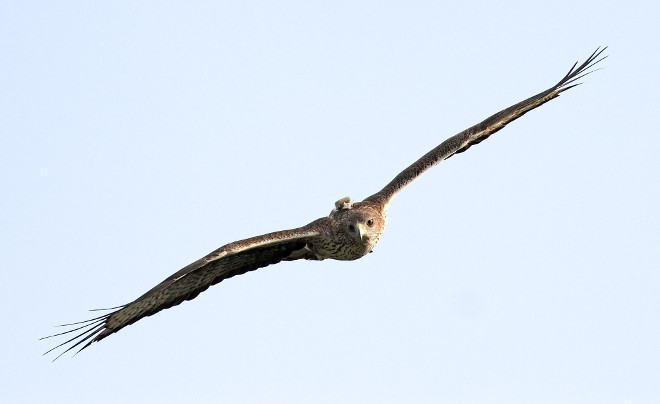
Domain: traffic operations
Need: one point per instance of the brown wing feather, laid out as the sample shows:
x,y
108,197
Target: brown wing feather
x,y
230,260
481,131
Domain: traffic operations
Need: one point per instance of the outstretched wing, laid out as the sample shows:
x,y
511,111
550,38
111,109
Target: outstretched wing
x,y
232,259
479,132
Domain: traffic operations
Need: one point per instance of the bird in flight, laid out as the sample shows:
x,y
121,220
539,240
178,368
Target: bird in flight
x,y
350,231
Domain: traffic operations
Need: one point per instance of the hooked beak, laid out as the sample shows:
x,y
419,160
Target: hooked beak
x,y
361,231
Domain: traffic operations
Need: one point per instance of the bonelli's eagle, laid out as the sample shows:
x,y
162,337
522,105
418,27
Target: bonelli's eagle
x,y
348,233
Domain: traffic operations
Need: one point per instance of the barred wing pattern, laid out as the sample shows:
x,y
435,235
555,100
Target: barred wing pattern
x,y
230,260
481,131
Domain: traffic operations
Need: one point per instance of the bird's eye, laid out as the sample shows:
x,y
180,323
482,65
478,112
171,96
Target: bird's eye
x,y
351,228
370,222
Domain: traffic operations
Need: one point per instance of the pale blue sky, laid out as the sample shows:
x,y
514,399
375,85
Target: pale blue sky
x,y
138,136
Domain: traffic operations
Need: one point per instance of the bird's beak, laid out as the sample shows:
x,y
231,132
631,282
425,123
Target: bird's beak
x,y
362,231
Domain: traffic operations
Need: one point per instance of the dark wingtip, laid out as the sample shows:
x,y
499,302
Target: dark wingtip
x,y
93,330
574,74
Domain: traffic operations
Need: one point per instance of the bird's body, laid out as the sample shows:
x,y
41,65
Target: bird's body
x,y
348,233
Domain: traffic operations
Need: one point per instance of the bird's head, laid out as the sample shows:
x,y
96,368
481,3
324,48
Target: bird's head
x,y
361,223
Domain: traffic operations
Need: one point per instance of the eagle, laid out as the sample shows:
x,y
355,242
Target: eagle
x,y
349,232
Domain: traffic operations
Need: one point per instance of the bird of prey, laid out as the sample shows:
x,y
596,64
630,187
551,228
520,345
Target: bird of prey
x,y
348,233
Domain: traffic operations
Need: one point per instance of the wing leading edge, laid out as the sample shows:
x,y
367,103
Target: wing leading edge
x,y
481,131
230,260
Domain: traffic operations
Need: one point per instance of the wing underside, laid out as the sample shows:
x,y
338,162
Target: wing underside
x,y
481,131
233,259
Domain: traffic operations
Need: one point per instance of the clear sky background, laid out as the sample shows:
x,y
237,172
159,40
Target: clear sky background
x,y
136,137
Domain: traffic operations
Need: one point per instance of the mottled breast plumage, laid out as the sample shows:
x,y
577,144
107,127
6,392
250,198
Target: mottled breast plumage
x,y
352,231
